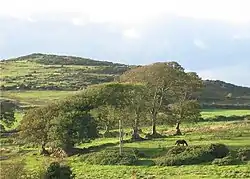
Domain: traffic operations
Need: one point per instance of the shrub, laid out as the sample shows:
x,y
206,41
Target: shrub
x,y
243,154
139,154
13,170
219,150
228,160
109,157
57,171
191,155
176,150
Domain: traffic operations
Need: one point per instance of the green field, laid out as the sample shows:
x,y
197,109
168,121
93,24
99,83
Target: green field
x,y
234,134
35,98
210,113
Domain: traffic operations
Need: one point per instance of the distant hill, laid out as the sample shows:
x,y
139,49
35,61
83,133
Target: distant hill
x,y
68,73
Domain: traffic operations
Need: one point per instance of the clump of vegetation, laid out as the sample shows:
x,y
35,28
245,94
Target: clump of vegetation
x,y
243,154
181,155
110,157
176,150
139,153
13,170
219,150
191,155
58,171
228,160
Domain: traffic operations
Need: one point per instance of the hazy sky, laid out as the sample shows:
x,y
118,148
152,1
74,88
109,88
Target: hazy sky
x,y
211,37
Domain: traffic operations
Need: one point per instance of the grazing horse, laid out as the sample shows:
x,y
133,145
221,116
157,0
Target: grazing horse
x,y
178,142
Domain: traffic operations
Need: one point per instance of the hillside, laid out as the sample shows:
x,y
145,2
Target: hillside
x,y
22,77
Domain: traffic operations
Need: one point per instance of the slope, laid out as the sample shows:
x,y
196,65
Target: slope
x,y
37,78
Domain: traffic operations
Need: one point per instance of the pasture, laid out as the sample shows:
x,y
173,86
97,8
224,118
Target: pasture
x,y
234,134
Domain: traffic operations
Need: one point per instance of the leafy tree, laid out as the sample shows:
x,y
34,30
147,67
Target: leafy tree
x,y
105,116
7,112
186,108
72,127
62,124
161,79
35,125
124,101
137,108
58,171
185,111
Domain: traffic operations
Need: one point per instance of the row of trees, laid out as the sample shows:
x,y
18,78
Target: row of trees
x,y
138,95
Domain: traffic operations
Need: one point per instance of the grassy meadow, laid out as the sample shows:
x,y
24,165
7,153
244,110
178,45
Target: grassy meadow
x,y
233,134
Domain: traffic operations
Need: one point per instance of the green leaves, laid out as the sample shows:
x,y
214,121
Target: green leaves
x,y
7,110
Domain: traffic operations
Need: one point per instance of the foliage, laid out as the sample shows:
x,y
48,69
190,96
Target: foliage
x,y
228,160
243,154
186,111
189,156
13,170
35,126
61,124
161,80
58,171
106,117
110,157
70,128
219,150
7,110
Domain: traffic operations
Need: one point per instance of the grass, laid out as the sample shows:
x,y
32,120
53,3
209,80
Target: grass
x,y
233,134
35,98
39,76
210,113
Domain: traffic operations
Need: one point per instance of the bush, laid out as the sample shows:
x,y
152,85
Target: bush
x,y
176,150
219,150
13,170
185,156
228,160
243,154
139,154
109,157
57,171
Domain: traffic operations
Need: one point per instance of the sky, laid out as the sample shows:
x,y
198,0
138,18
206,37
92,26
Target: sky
x,y
210,37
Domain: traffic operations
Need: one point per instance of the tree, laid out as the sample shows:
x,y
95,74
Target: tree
x,y
7,112
137,108
185,111
124,101
186,107
161,79
71,127
35,125
105,116
62,124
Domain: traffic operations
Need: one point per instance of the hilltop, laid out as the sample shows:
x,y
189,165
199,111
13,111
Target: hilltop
x,y
53,73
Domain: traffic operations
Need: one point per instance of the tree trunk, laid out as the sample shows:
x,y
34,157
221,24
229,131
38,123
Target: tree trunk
x,y
135,135
44,151
153,132
178,131
106,128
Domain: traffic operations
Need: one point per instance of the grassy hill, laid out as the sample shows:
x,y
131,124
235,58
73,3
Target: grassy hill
x,y
38,78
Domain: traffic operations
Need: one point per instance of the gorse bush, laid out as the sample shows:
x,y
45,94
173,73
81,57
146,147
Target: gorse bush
x,y
139,153
13,170
110,157
185,156
176,150
228,160
219,150
243,154
58,171
181,155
